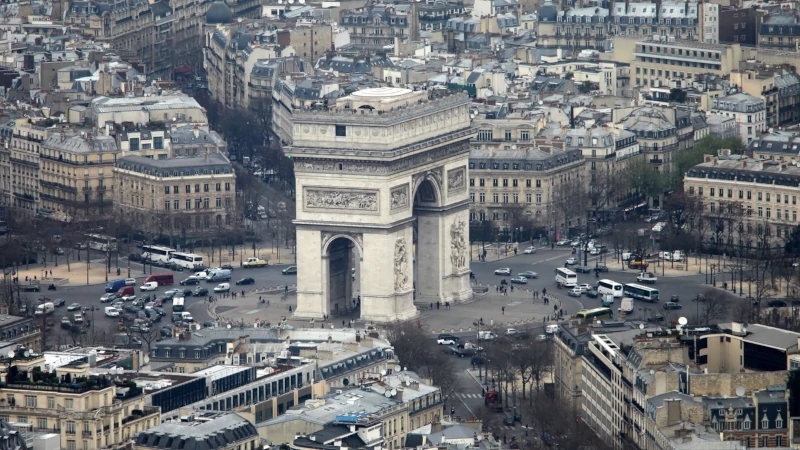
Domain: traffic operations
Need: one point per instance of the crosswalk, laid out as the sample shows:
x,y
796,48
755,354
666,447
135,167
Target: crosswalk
x,y
462,395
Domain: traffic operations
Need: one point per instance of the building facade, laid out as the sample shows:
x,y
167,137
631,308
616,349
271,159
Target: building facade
x,y
179,197
748,111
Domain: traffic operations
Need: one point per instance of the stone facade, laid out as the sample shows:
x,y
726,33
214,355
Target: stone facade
x,y
358,166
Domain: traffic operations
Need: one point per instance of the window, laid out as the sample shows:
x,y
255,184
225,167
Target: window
x,y
188,204
527,183
158,143
227,187
505,198
166,190
524,135
538,183
341,131
495,182
219,187
481,182
30,401
496,198
485,135
505,182
711,191
219,202
197,203
197,187
134,143
768,196
42,423
206,203
176,189
760,212
70,427
538,198
176,204
508,135
764,423
759,196
51,402
188,189
71,445
778,423
205,188
68,403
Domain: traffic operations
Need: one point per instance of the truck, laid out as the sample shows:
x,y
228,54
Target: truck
x,y
486,335
626,306
115,285
254,262
45,308
647,277
493,401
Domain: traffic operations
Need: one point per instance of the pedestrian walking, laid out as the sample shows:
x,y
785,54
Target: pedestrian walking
x,y
431,307
438,304
503,310
544,291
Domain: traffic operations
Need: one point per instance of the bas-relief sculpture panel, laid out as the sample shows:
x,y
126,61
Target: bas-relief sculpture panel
x,y
342,199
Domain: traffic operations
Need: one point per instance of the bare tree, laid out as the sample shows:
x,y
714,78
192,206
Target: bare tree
x,y
715,306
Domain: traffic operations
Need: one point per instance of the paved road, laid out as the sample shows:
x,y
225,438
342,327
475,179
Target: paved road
x,y
90,295
545,261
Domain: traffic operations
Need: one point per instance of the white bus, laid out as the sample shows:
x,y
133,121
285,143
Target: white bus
x,y
157,253
639,292
101,242
566,277
609,287
187,260
177,304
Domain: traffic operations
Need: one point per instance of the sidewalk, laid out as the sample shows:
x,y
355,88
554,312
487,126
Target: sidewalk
x,y
271,255
520,308
76,273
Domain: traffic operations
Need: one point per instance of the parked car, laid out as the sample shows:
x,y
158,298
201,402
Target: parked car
x,y
200,292
528,274
247,280
672,305
503,271
519,279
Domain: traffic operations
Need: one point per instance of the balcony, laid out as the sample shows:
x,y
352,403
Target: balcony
x,y
137,414
87,434
54,185
27,197
86,189
101,188
656,161
664,148
24,162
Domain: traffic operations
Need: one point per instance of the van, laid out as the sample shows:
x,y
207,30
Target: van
x,y
220,275
125,291
114,285
110,311
149,286
551,329
486,335
626,306
160,278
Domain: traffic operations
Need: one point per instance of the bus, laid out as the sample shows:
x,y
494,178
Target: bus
x,y
609,287
591,315
177,304
186,260
639,292
566,277
101,243
157,253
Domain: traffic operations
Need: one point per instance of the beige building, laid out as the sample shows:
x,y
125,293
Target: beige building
x,y
661,132
89,413
76,175
756,210
778,87
178,197
22,145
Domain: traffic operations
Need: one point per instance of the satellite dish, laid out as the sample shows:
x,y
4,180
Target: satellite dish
x,y
394,392
26,353
541,102
683,321
398,367
387,394
146,359
652,372
383,372
11,354
229,326
740,391
641,326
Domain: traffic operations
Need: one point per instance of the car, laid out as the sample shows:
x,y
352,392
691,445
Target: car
x,y
530,250
159,311
528,274
448,336
592,293
198,268
675,298
445,341
776,304
656,318
222,287
519,280
149,305
575,243
508,421
130,308
139,302
563,242
130,281
575,292
503,271
461,352
226,267
191,281
80,246
254,262
478,361
584,287
74,307
59,302
541,337
291,270
77,318
247,280
601,268
582,269
699,298
108,298
672,305
209,324
517,333
200,292
31,288
594,251
172,292
66,323
572,261
128,298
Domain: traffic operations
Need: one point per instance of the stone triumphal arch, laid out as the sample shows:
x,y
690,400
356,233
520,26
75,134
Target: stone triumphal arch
x,y
381,193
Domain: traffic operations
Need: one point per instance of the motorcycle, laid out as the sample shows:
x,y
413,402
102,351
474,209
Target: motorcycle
x,y
52,287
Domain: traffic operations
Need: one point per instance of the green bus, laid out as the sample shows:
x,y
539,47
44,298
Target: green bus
x,y
590,315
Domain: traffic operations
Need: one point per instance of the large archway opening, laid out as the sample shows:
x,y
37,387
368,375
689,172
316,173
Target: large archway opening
x,y
342,289
426,260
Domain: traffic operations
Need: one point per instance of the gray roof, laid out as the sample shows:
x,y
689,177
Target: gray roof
x,y
219,12
174,167
767,336
222,431
80,144
658,400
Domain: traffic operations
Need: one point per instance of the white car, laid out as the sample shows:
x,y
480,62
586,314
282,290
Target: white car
x,y
222,287
503,271
149,286
541,337
576,243
128,298
594,251
108,298
130,281
585,287
199,275
563,242
445,341
530,250
571,261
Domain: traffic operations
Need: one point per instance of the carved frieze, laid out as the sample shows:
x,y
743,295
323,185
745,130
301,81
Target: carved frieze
x,y
456,180
344,199
399,198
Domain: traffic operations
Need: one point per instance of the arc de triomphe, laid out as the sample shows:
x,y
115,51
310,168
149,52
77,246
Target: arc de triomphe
x,y
381,180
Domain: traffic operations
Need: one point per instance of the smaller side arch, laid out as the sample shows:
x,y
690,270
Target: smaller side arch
x,y
328,238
